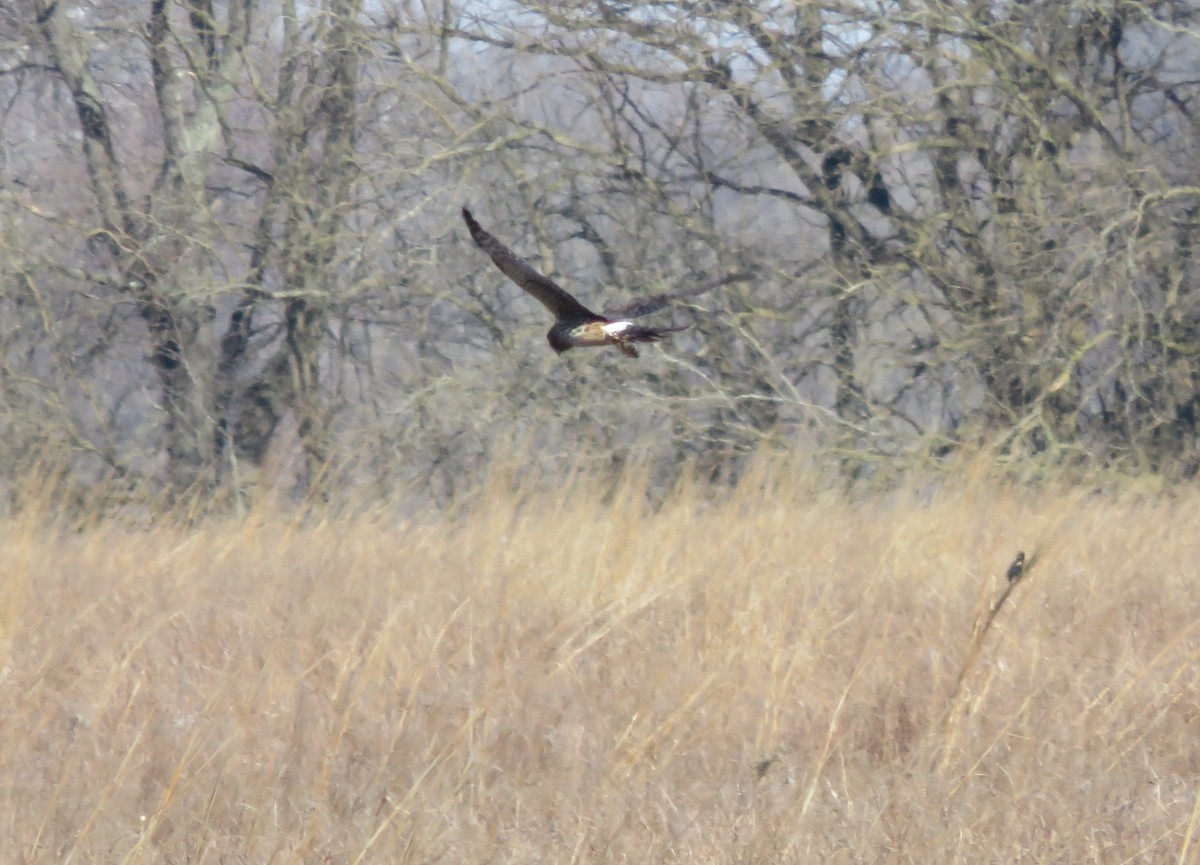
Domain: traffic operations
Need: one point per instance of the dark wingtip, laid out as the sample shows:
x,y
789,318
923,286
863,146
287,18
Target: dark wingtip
x,y
472,225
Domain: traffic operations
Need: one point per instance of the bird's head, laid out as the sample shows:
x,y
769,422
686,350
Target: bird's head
x,y
557,340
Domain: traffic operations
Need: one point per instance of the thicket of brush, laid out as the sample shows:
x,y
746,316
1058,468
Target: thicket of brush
x,y
775,674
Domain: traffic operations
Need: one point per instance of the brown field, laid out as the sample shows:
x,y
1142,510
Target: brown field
x,y
765,677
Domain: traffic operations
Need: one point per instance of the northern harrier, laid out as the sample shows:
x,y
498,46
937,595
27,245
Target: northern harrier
x,y
576,326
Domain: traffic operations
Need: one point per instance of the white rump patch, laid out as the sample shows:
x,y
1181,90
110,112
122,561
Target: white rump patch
x,y
615,327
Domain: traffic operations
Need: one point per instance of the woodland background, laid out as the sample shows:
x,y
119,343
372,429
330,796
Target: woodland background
x,y
229,235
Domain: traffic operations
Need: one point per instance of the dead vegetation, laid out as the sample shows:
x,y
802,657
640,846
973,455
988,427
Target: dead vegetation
x,y
775,675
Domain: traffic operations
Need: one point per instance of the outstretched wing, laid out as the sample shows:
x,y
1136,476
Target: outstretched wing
x,y
547,291
640,306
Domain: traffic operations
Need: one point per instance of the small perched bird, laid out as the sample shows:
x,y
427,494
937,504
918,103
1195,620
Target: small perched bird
x,y
1016,568
576,326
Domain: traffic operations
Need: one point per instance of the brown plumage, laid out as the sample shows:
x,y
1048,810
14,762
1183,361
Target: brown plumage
x,y
576,326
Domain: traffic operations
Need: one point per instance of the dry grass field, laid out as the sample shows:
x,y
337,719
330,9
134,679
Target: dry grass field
x,y
767,676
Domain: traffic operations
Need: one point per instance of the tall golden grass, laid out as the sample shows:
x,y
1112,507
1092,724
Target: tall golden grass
x,y
776,674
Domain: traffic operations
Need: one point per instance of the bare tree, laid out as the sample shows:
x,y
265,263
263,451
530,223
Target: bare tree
x,y
970,167
169,210
230,224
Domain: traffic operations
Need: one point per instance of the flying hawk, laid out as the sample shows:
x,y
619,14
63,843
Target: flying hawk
x,y
576,326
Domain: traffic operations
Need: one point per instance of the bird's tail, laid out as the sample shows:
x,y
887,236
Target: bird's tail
x,y
640,333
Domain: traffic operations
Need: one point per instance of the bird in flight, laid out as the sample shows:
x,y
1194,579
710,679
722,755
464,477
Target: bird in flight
x,y
576,326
